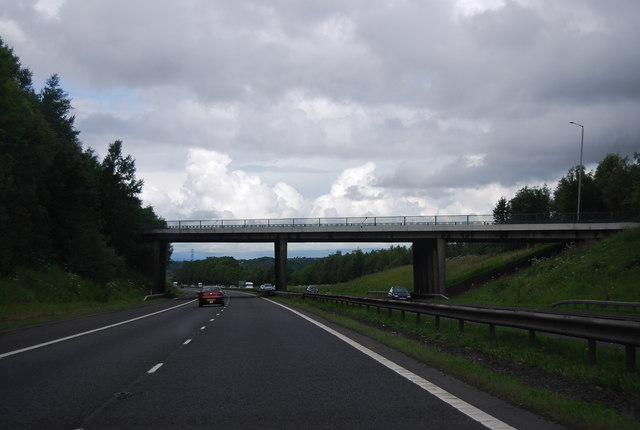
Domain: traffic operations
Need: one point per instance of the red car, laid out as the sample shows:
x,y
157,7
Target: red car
x,y
210,296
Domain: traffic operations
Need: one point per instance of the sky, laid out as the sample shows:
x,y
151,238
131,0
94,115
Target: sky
x,y
322,108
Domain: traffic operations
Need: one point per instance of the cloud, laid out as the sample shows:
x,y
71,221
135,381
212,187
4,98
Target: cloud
x,y
288,108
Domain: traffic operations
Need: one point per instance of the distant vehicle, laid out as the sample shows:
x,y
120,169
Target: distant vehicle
x,y
199,284
211,296
245,284
267,287
312,289
399,293
175,284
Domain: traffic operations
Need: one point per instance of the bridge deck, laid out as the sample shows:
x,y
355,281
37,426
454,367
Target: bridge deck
x,y
556,232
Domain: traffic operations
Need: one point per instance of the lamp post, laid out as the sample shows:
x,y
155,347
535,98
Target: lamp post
x,y
579,168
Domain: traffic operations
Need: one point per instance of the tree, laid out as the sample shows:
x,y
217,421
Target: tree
x,y
613,179
56,107
532,202
502,211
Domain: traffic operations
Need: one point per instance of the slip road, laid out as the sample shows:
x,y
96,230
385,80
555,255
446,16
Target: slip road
x,y
253,364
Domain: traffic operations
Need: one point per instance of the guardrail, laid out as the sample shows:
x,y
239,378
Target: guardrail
x,y
602,304
621,331
398,221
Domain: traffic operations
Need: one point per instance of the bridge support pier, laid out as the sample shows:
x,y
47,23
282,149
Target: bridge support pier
x,y
281,264
160,266
428,266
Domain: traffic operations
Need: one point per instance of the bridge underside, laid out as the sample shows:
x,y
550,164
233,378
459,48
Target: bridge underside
x,y
428,242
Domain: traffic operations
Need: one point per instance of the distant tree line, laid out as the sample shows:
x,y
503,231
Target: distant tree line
x,y
60,204
613,188
334,268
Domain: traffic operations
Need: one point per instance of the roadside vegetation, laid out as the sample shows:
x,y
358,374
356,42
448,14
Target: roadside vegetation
x,y
551,377
463,267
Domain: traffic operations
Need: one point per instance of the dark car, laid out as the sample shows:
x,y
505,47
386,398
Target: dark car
x,y
312,289
399,293
211,296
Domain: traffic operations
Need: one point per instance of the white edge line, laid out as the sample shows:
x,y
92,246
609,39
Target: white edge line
x,y
62,339
464,407
155,368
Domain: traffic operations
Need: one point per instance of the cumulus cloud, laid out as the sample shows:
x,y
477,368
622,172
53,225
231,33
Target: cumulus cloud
x,y
288,108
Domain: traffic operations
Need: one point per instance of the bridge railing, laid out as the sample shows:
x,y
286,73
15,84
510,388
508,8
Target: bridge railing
x,y
397,220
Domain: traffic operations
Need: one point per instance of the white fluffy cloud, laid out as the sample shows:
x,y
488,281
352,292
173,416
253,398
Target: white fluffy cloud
x,y
289,108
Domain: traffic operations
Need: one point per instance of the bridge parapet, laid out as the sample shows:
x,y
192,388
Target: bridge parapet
x,y
412,220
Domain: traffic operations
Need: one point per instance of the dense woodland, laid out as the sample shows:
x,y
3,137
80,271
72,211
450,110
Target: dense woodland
x,y
59,204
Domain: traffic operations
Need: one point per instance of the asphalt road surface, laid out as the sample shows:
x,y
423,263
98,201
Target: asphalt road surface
x,y
253,364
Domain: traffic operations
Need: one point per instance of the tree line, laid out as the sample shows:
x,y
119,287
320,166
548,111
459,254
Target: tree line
x,y
59,203
613,189
338,267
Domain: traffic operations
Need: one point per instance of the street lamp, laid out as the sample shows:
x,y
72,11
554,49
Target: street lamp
x,y
579,168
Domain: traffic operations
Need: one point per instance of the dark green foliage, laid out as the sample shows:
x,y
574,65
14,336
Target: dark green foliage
x,y
528,201
59,205
334,268
502,211
614,189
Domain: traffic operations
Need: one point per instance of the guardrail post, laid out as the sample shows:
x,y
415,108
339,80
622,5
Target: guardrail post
x,y
461,326
630,352
532,338
492,331
437,322
591,351
402,315
417,318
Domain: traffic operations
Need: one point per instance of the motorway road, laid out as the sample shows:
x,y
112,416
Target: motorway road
x,y
253,364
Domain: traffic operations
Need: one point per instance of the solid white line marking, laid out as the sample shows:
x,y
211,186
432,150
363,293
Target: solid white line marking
x,y
29,348
464,407
155,368
186,342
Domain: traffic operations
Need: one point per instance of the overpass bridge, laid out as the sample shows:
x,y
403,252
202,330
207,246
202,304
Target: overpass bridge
x,y
427,234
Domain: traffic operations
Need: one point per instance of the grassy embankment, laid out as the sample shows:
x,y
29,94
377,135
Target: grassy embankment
x,y
34,296
552,377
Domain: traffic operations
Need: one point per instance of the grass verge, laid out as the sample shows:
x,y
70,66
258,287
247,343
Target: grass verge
x,y
48,294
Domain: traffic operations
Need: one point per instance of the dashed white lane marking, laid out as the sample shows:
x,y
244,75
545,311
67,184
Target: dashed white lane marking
x,y
211,319
464,407
186,342
29,348
155,368
203,327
